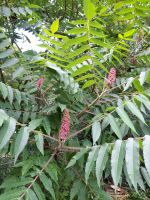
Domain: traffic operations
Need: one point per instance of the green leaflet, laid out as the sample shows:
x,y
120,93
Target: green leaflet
x,y
76,157
39,193
82,193
138,86
7,131
96,131
88,84
78,61
140,181
4,44
18,96
10,62
89,9
124,116
3,117
21,141
132,160
78,30
47,184
40,142
114,126
28,164
145,175
117,160
51,169
6,53
135,111
101,162
4,90
82,70
10,94
55,26
75,189
90,162
146,152
30,195
34,124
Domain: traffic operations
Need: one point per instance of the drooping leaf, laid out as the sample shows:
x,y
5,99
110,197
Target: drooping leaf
x,y
7,131
114,126
90,162
47,183
146,152
117,160
39,193
21,141
51,169
128,84
96,131
101,162
145,175
76,157
132,160
134,109
124,116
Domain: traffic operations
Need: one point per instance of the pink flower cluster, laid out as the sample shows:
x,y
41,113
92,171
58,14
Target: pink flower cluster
x,y
111,77
65,126
40,83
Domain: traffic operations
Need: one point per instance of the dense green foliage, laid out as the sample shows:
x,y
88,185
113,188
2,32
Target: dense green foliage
x,y
109,140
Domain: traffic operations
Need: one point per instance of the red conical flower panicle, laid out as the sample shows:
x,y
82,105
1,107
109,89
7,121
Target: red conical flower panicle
x,y
65,126
39,83
111,77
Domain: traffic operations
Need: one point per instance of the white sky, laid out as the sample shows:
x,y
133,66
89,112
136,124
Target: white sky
x,y
25,45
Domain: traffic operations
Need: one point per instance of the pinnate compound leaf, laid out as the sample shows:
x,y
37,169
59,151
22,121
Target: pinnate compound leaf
x,y
132,160
146,152
90,162
7,131
117,158
101,162
21,141
96,131
125,118
76,157
114,126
